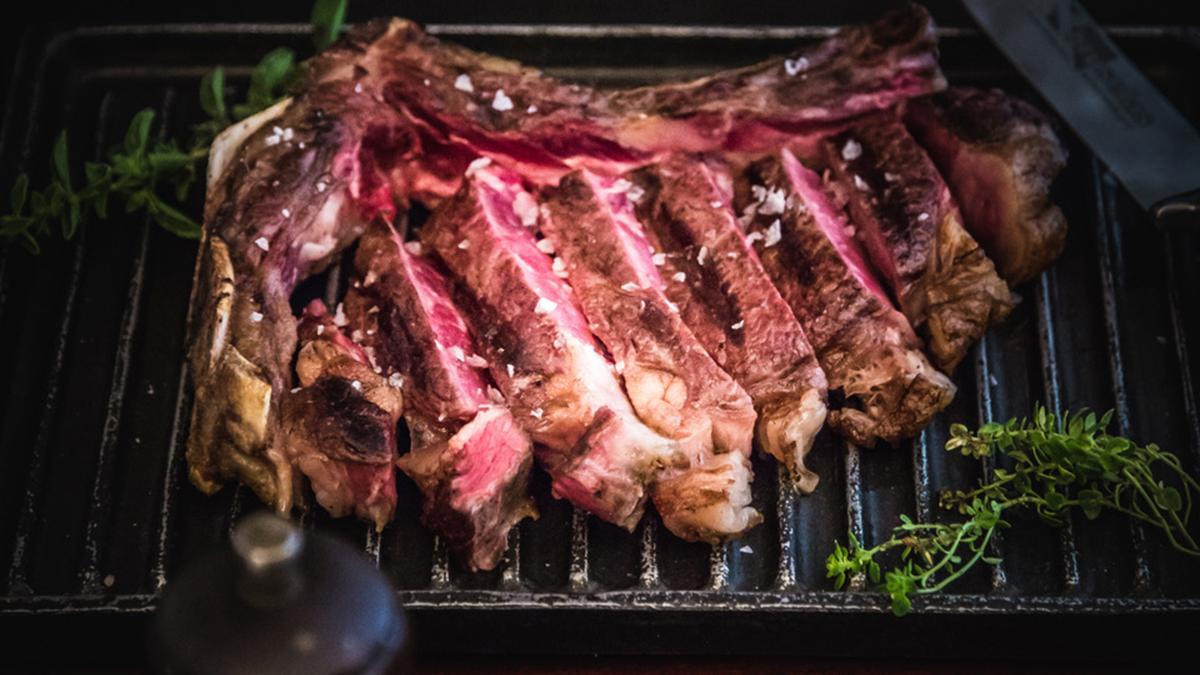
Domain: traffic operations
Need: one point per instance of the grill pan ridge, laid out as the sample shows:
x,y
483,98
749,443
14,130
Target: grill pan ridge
x,y
96,514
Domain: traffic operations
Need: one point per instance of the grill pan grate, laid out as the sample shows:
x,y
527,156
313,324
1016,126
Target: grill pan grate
x,y
96,514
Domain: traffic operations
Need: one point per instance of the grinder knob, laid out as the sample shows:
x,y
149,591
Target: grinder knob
x,y
278,600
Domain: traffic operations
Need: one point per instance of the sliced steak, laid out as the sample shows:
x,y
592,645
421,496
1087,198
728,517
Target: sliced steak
x,y
339,426
999,155
467,455
727,300
558,384
675,386
911,228
881,386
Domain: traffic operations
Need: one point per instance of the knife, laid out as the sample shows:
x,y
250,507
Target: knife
x,y
1118,113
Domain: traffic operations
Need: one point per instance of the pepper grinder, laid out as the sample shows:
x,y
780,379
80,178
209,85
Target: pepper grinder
x,y
278,600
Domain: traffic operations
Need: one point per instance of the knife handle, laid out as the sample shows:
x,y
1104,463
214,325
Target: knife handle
x,y
1180,210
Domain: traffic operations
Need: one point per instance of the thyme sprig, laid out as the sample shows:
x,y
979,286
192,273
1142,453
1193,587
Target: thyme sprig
x,y
137,173
1058,463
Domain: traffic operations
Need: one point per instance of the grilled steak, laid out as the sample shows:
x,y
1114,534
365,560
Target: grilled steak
x,y
999,155
460,104
675,386
727,300
467,454
339,426
559,386
911,228
880,384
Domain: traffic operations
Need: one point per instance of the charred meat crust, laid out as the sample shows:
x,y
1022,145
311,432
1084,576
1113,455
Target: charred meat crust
x,y
880,384
999,155
911,228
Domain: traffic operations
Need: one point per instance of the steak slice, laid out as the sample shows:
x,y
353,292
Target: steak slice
x,y
339,426
913,232
727,300
675,386
881,386
999,155
461,104
558,384
467,455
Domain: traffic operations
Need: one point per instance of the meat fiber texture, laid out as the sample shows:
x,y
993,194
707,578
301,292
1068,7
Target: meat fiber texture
x,y
909,224
727,300
674,385
467,455
999,155
559,385
339,425
881,386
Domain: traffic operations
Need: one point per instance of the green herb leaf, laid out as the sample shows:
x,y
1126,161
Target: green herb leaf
x,y
212,94
60,162
138,134
327,19
20,191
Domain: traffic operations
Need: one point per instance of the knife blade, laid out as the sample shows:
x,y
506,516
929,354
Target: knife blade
x,y
1150,147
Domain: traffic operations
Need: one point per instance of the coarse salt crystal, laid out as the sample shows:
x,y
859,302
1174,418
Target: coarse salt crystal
x,y
271,140
559,267
619,366
531,109
851,150
296,390
716,204
426,82
679,276
860,183
544,306
702,255
463,83
746,549
923,217
526,208
511,370
659,259
287,134
545,246
794,66
773,235
286,213
358,87
464,245
396,380
357,385
457,352
629,287
501,101
477,164
774,201
739,325
256,316
321,186
262,243
414,247
635,194
356,335
673,307
339,317
320,329
536,412
890,177
477,361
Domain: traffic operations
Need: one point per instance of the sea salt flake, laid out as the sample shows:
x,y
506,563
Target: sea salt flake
x,y
860,183
746,549
679,276
286,213
635,194
320,329
262,243
511,370
357,385
339,317
702,255
774,202
288,134
659,259
256,317
559,268
891,177
795,66
464,245
358,87
536,413
923,217
544,306
773,235
356,335
526,208
716,204
477,164
739,325
531,109
414,247
851,150
271,140
296,390
545,246
463,83
501,101
321,186
396,380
